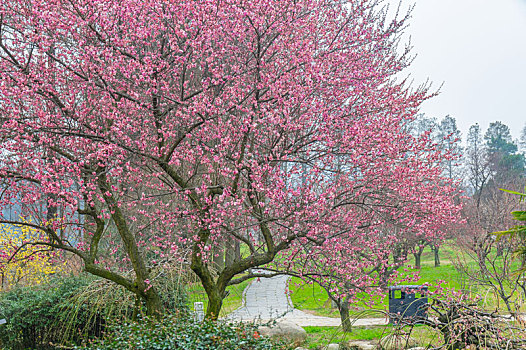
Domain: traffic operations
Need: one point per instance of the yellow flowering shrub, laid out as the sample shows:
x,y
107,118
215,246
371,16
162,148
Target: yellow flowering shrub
x,y
31,264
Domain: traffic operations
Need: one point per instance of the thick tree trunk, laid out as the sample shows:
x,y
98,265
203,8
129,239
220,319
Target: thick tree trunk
x,y
215,302
343,308
214,291
418,259
215,287
154,305
418,256
143,291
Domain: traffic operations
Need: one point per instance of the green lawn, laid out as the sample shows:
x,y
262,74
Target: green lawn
x,y
318,337
312,298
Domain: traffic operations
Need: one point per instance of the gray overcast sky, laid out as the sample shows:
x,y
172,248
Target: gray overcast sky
x,y
477,48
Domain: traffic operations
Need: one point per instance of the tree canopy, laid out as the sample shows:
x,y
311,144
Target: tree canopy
x,y
136,133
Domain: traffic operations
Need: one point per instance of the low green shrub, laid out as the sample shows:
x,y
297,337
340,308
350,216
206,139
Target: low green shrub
x,y
34,314
172,333
68,311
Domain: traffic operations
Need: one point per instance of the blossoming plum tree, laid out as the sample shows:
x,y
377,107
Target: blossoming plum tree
x,y
158,130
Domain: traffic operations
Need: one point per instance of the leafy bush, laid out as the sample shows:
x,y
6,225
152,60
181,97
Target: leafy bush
x,y
35,314
172,333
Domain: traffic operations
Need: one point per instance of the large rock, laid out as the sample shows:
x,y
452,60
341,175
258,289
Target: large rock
x,y
333,347
284,330
362,345
397,342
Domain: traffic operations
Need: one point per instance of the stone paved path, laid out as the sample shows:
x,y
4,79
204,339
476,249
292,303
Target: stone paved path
x,y
266,299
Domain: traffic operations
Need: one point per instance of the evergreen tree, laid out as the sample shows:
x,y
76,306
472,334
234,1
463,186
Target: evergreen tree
x,y
505,160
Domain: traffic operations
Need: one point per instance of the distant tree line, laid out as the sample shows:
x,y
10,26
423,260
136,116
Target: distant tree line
x,y
487,161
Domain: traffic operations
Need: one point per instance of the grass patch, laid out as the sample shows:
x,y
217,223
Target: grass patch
x,y
319,337
311,297
361,333
314,299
